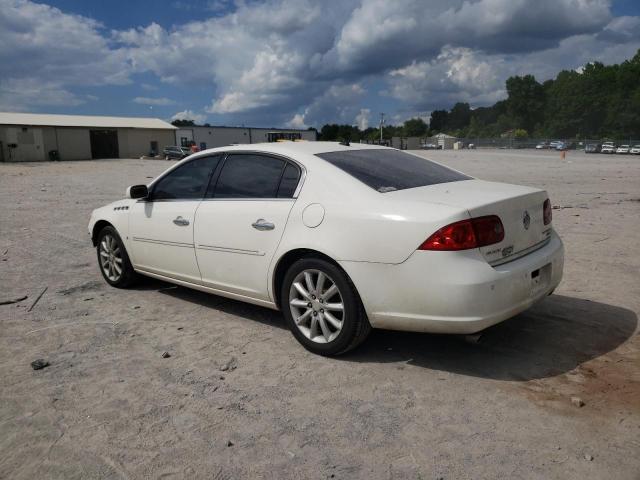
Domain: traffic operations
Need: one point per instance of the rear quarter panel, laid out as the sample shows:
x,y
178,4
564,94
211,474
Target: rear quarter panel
x,y
361,224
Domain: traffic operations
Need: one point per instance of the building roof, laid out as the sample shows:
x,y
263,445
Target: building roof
x,y
46,120
271,129
443,135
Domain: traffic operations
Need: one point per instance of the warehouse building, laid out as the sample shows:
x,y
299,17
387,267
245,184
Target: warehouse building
x,y
217,136
35,137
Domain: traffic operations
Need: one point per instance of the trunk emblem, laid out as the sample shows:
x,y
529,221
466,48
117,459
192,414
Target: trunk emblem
x,y
526,220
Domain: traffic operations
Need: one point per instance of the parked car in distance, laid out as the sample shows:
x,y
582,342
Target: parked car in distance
x,y
608,147
176,152
429,146
592,148
624,149
340,238
542,146
635,150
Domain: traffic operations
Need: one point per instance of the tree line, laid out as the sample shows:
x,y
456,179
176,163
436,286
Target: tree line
x,y
597,101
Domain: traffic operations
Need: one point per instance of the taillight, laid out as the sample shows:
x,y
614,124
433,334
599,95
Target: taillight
x,y
547,215
466,234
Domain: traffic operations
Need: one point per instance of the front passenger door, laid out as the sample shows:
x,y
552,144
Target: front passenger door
x,y
161,226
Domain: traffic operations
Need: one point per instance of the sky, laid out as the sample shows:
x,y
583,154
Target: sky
x,y
294,63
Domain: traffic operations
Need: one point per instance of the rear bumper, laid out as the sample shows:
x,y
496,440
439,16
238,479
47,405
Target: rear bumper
x,y
454,292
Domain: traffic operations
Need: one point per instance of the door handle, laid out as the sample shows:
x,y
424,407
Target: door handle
x,y
262,224
181,222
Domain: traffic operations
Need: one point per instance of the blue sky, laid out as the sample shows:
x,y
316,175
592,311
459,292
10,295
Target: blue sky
x,y
294,62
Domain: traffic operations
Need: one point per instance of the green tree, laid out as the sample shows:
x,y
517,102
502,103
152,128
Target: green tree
x,y
183,123
520,133
597,101
414,127
334,132
459,116
438,121
525,102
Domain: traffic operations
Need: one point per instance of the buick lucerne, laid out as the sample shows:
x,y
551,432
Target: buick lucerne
x,y
341,238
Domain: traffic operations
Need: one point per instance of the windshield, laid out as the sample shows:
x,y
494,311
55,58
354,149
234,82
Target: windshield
x,y
386,170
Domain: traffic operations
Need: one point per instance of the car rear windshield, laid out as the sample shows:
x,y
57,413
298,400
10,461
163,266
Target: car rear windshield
x,y
386,170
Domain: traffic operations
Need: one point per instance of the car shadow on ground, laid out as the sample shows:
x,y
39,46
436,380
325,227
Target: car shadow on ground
x,y
226,305
550,339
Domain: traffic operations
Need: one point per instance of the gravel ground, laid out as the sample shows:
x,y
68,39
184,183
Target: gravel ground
x,y
239,398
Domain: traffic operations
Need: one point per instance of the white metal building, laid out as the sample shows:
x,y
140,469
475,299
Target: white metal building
x,y
31,137
217,136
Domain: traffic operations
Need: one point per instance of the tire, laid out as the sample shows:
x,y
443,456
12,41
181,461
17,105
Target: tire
x,y
112,256
326,337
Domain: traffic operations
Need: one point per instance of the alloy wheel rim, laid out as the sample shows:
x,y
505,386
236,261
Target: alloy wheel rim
x,y
316,306
111,258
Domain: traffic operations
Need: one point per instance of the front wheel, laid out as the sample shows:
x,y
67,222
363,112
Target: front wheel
x,y
113,259
322,307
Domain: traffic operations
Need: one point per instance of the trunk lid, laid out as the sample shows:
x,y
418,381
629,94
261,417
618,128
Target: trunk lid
x,y
520,209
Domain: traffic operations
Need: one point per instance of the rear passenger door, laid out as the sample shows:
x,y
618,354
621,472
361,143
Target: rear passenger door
x,y
240,223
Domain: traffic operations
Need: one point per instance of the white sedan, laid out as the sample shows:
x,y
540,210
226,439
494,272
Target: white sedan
x,y
341,238
623,149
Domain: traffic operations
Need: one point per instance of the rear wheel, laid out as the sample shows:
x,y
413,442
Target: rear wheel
x,y
113,259
322,307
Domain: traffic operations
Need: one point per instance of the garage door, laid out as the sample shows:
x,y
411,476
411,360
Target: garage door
x,y
104,144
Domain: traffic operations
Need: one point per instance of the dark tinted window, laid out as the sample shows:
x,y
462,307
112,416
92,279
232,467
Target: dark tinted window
x,y
388,170
187,181
249,176
289,181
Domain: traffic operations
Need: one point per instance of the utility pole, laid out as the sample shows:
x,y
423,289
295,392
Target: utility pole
x,y
381,124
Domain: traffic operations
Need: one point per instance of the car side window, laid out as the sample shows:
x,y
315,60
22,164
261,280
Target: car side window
x,y
249,175
189,181
289,182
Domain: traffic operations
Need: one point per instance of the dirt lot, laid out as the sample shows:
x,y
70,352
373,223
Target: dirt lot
x,y
402,406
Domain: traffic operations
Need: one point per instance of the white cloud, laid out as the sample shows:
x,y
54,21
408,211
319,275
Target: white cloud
x,y
40,42
45,53
189,115
466,75
338,104
298,60
297,122
362,119
272,76
380,33
457,74
21,95
156,102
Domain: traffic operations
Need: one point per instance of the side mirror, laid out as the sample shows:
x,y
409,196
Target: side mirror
x,y
137,191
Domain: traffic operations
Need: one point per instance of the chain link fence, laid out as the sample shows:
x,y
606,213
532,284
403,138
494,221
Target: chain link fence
x,y
447,143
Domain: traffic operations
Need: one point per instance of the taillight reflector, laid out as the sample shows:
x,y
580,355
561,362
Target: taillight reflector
x,y
466,234
547,215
